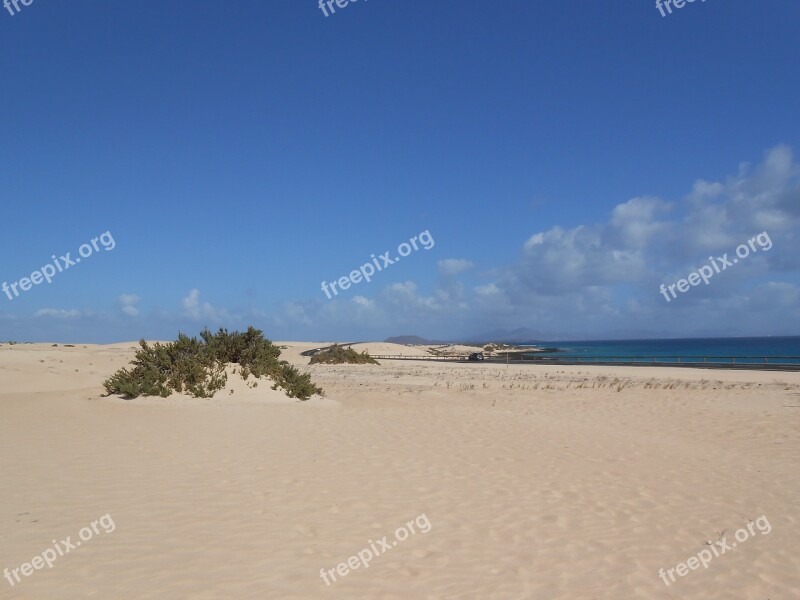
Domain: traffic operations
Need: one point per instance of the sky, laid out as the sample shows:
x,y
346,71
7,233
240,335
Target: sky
x,y
561,159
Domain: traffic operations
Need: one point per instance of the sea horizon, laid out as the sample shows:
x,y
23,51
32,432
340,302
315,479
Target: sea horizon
x,y
678,348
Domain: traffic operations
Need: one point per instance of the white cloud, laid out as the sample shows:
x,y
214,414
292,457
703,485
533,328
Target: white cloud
x,y
610,270
202,311
453,266
128,304
57,313
635,223
488,291
559,260
365,302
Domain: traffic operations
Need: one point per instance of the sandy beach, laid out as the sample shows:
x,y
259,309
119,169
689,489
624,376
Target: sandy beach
x,y
537,482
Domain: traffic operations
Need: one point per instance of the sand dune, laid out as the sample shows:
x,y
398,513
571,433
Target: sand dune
x,y
541,482
388,348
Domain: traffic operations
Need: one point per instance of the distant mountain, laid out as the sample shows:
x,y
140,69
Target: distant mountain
x,y
408,339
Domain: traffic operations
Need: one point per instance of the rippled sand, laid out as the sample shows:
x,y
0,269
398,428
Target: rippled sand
x,y
539,482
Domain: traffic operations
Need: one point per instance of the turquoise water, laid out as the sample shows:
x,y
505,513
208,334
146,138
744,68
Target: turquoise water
x,y
746,350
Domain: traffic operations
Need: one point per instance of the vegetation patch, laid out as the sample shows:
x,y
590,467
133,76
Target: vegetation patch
x,y
197,367
337,355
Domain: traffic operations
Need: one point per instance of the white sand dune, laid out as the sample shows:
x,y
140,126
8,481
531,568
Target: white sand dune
x,y
388,348
539,482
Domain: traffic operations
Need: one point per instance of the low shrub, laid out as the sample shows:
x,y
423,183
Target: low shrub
x,y
295,383
336,355
197,367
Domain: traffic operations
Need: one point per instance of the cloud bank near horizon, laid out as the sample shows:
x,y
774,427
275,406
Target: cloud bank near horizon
x,y
595,280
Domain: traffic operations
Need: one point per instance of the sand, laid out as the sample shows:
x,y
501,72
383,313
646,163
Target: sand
x,y
540,482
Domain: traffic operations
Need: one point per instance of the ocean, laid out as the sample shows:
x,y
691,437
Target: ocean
x,y
743,349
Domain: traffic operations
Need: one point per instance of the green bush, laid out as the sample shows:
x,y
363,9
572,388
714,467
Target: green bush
x,y
160,369
295,383
336,355
251,350
198,367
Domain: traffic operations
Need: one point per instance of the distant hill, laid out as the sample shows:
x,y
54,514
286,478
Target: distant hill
x,y
408,339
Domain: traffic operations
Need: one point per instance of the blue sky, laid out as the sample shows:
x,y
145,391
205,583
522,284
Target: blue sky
x,y
567,158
